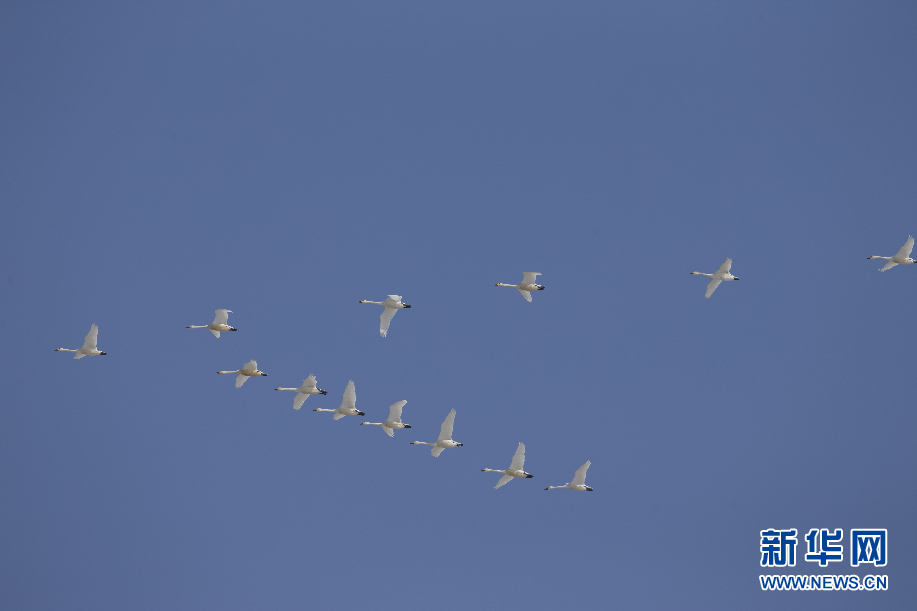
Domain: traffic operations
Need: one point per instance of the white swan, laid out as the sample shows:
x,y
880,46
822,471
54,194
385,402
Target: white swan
x,y
348,405
579,480
394,419
392,305
902,258
527,285
721,274
445,437
249,370
218,324
89,345
308,388
515,467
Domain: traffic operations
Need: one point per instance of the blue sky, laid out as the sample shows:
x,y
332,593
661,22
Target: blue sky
x,y
285,160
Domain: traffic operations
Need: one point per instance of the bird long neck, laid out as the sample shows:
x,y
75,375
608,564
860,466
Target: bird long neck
x,y
879,257
375,302
198,327
293,389
702,274
374,423
66,350
423,443
237,371
510,285
322,409
552,487
494,470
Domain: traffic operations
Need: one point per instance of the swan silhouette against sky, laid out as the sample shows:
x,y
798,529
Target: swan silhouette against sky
x,y
393,421
219,323
89,347
721,274
579,480
902,258
392,305
445,437
348,405
308,388
515,467
249,370
527,285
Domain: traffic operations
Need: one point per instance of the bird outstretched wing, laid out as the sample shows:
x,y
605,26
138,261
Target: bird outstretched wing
x,y
526,295
309,382
385,320
529,277
388,431
350,396
725,267
436,451
240,380
221,318
905,251
503,480
518,458
445,431
712,286
888,265
299,400
579,478
394,411
215,333
250,366
338,416
91,338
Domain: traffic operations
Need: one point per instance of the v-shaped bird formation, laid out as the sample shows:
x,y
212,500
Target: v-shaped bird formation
x,y
444,441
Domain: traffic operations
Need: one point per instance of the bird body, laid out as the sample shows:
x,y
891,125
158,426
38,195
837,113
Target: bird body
x,y
249,370
721,274
527,285
219,323
89,347
393,421
515,467
902,258
445,437
392,304
348,404
308,388
579,480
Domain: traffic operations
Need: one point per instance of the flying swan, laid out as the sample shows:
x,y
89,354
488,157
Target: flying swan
x,y
308,388
902,258
579,480
89,345
392,305
348,405
445,437
721,274
394,419
515,467
218,324
527,285
249,370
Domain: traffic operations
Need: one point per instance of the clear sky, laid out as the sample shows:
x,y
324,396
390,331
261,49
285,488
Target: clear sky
x,y
286,159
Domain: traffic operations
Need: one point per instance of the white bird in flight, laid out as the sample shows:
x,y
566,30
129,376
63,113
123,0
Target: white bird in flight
x,y
445,437
308,388
579,480
392,305
348,405
394,419
249,370
902,258
527,285
89,345
721,274
515,467
218,324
